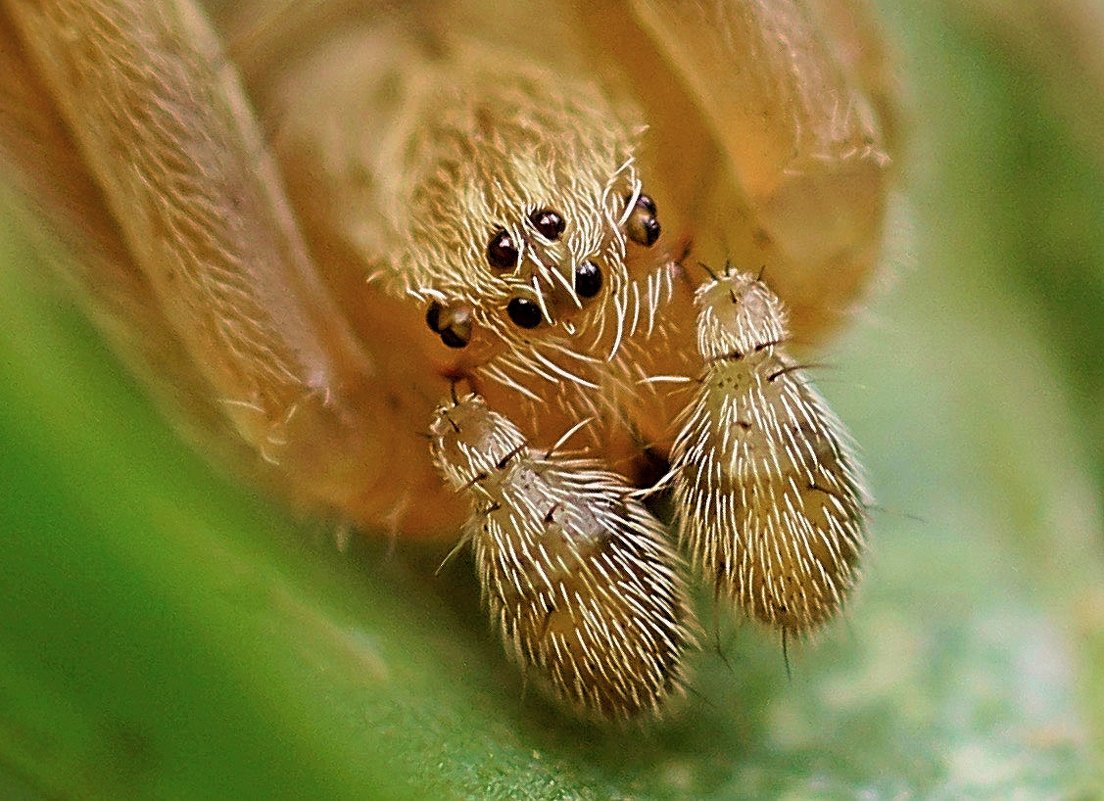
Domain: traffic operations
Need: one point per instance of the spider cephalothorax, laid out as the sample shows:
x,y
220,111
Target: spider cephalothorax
x,y
529,239
517,219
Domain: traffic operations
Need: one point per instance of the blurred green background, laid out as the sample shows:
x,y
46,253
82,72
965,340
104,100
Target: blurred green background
x,y
165,634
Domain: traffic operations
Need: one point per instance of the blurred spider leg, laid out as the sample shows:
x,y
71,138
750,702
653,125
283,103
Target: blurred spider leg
x,y
202,252
801,166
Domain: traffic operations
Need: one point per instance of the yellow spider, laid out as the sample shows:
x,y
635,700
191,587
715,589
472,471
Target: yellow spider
x,y
555,240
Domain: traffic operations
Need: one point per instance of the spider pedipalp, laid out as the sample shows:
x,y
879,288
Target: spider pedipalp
x,y
771,500
576,574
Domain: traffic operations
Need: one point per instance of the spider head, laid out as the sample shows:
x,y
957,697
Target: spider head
x,y
521,222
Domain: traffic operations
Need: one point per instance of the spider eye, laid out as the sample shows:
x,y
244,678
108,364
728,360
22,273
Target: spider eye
x,y
452,325
642,225
548,223
588,279
525,313
501,251
433,317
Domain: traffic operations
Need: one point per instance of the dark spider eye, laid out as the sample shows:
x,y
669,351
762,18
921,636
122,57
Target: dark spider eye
x,y
548,223
452,325
433,317
642,225
452,339
501,251
588,279
524,312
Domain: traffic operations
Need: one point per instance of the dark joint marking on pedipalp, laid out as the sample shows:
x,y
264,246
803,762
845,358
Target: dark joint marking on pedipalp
x,y
770,343
451,422
784,370
731,356
709,270
505,460
476,479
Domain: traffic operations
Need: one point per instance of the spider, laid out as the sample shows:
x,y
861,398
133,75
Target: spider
x,y
326,234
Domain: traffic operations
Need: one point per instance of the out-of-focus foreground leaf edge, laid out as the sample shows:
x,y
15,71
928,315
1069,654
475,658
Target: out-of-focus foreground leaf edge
x,y
165,634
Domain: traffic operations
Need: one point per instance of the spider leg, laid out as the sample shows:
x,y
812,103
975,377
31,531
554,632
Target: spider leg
x,y
192,259
797,169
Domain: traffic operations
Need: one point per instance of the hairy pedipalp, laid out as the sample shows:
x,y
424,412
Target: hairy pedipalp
x,y
771,500
576,574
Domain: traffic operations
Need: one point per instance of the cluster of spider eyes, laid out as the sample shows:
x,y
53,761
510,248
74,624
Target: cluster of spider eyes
x,y
503,254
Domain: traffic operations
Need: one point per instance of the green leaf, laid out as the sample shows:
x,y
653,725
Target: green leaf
x,y
165,634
